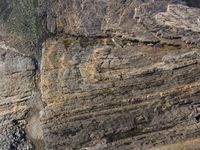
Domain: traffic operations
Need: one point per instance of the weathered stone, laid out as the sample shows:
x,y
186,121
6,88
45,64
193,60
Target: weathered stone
x,y
117,94
179,16
113,75
16,85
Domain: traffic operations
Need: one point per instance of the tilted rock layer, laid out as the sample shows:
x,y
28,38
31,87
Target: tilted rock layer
x,y
114,75
16,87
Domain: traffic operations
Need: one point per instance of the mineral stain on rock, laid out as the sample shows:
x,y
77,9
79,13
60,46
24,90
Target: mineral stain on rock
x,y
99,75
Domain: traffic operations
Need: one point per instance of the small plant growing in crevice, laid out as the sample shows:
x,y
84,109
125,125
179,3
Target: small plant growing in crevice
x,y
67,42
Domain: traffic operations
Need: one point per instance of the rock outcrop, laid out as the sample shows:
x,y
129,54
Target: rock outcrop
x,y
112,75
108,95
16,88
180,16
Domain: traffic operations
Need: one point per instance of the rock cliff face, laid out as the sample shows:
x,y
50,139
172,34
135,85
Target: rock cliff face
x,y
111,75
16,88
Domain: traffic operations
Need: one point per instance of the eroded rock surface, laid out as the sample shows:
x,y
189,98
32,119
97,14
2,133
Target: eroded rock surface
x,y
180,16
112,95
114,75
16,85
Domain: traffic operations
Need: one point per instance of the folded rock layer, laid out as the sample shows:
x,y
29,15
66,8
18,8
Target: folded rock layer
x,y
113,75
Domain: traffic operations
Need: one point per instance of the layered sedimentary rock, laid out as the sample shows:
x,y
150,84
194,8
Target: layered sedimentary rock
x,y
134,87
180,16
119,97
16,88
113,75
